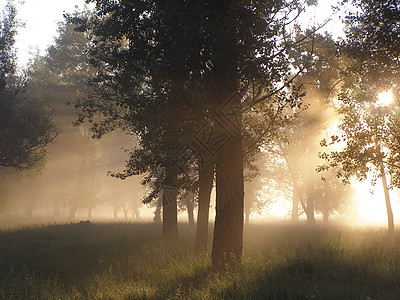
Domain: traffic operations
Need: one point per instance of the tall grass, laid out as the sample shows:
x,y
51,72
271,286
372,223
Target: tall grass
x,y
128,261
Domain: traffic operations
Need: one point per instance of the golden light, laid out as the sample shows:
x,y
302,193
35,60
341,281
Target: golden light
x,y
385,98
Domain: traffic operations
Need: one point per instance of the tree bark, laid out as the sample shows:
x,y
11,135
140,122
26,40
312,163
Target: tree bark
x,y
169,201
228,229
206,177
387,199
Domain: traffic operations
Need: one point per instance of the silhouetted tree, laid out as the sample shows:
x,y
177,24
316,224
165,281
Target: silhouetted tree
x,y
163,65
26,126
368,129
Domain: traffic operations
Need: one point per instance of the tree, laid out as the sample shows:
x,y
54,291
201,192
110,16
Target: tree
x,y
365,133
368,129
167,66
26,126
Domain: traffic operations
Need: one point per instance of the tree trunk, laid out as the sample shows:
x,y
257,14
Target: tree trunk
x,y
169,201
206,177
190,208
157,211
228,229
387,199
310,211
72,211
125,210
326,208
137,214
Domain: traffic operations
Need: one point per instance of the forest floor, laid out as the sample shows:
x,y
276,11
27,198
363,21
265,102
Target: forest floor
x,y
128,261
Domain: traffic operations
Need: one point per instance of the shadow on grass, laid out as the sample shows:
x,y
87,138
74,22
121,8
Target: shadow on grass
x,y
128,261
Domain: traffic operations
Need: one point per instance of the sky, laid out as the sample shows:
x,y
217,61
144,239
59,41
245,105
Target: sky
x,y
41,18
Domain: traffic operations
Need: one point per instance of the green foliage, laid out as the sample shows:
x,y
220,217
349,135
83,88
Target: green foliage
x,y
127,261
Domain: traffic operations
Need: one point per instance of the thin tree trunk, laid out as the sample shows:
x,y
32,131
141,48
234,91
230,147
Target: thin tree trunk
x,y
157,211
125,210
137,214
72,211
169,200
228,229
310,211
190,208
206,177
387,199
326,209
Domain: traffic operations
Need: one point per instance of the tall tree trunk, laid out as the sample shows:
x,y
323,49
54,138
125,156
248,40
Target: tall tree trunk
x,y
310,211
206,177
169,201
157,211
228,229
190,208
387,199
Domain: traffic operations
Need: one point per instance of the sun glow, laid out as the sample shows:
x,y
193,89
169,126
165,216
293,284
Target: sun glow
x,y
370,207
385,98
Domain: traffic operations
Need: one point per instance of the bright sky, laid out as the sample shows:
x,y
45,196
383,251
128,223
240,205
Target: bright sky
x,y
41,17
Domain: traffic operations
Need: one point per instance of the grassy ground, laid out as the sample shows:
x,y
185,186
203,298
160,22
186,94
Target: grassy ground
x,y
128,261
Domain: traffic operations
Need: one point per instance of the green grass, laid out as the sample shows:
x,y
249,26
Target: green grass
x,y
128,261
